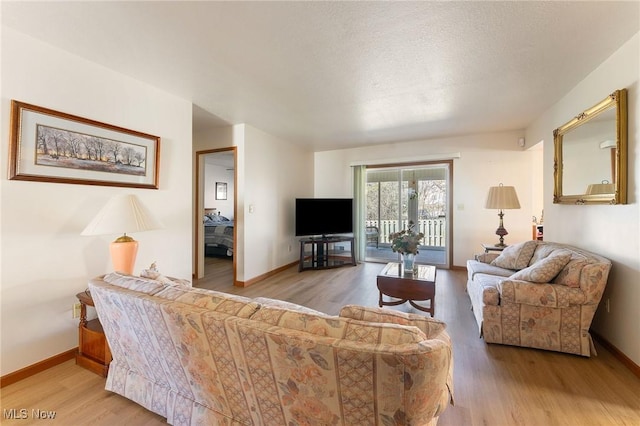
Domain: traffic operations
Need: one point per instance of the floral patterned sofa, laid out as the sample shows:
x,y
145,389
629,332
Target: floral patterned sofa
x,y
202,357
538,294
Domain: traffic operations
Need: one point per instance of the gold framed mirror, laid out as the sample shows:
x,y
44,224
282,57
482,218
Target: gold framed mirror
x,y
590,155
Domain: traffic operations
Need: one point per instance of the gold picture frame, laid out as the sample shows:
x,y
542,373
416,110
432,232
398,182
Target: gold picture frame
x,y
603,180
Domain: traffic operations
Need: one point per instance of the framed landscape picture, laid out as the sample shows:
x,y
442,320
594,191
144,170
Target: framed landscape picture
x,y
221,190
51,146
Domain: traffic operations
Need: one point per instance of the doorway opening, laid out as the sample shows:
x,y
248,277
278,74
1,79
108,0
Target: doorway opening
x,y
215,230
399,195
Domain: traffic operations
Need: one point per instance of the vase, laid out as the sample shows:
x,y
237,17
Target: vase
x,y
408,262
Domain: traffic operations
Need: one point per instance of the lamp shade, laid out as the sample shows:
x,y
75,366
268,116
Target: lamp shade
x,y
122,214
502,197
601,188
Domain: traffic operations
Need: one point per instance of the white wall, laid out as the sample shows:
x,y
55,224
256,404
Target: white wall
x,y
612,231
271,173
275,173
43,259
537,187
484,160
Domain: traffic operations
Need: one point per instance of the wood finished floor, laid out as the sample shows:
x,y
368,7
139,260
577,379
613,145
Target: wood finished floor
x,y
494,384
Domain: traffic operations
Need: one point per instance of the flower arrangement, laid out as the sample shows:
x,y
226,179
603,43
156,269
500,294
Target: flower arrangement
x,y
406,241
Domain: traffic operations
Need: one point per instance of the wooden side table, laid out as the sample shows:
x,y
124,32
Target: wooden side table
x,y
93,350
492,247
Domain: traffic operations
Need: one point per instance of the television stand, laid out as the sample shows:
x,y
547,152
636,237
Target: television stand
x,y
326,252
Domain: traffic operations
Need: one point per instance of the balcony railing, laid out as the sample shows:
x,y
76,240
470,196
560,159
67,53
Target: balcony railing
x,y
433,230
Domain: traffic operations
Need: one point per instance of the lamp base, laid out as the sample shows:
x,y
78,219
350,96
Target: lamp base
x,y
501,232
123,255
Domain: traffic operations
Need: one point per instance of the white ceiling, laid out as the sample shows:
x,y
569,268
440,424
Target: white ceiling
x,y
345,74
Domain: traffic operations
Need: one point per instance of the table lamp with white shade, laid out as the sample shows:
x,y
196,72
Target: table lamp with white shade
x,y
122,214
502,197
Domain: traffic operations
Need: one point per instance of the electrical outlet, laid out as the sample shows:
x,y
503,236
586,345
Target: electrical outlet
x,y
75,310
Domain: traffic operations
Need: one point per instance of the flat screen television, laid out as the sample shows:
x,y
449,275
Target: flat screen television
x,y
323,216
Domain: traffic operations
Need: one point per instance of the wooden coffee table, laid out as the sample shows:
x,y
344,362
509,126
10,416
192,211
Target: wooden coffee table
x,y
421,285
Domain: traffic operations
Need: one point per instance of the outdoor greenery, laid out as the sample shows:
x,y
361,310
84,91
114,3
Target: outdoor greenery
x,y
431,199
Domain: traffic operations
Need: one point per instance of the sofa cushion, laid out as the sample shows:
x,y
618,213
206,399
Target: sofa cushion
x,y
339,328
229,304
570,274
475,267
517,256
486,257
543,250
430,327
265,301
543,271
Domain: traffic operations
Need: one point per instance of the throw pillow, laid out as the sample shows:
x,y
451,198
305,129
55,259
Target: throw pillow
x,y
544,270
516,257
570,274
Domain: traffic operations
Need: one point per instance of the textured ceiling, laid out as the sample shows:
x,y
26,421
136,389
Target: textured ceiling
x,y
338,74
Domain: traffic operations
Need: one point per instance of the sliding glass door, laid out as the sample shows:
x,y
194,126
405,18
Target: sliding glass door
x,y
398,195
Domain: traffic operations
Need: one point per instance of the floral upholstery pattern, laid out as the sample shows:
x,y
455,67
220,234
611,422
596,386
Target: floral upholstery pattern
x,y
516,256
520,308
202,357
431,327
545,269
570,274
342,328
215,300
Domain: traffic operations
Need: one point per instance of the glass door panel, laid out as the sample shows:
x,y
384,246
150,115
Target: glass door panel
x,y
397,196
431,211
383,212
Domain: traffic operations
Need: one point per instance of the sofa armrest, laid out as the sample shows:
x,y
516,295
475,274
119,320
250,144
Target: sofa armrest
x,y
431,327
535,294
593,280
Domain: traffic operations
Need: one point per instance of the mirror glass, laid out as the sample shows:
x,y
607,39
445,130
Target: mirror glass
x,y
590,155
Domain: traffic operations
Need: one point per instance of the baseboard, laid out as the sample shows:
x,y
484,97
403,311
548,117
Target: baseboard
x,y
38,367
625,360
264,276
